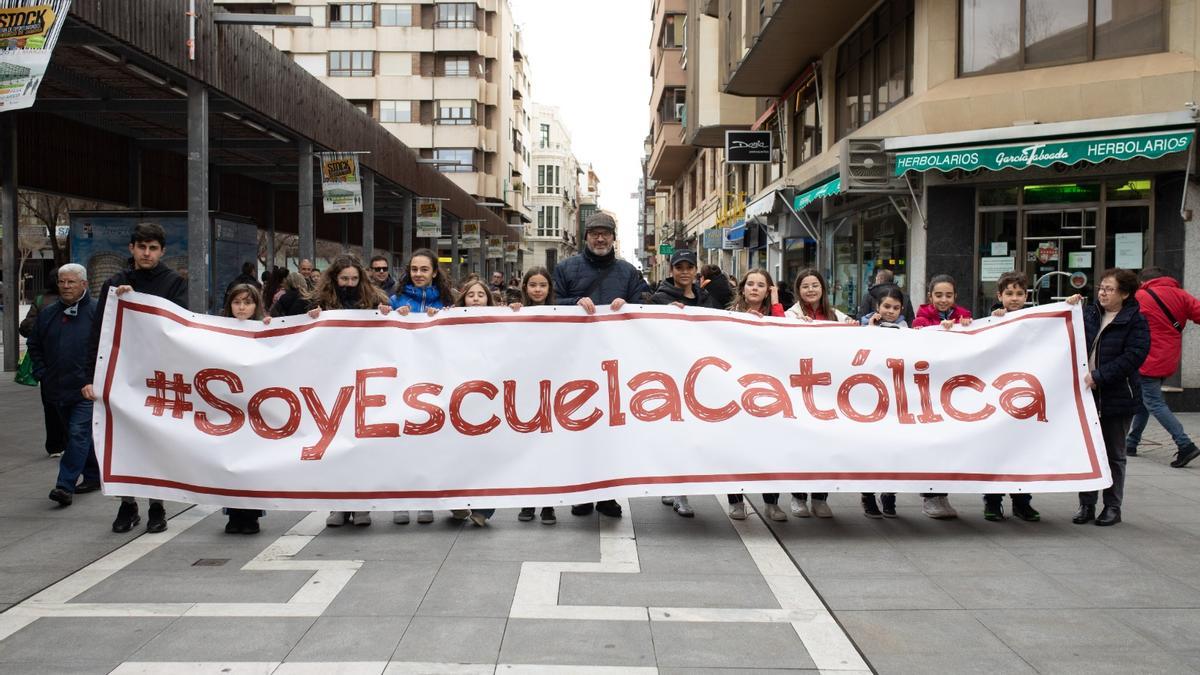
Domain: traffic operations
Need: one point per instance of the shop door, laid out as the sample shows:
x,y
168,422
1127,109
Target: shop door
x,y
1060,249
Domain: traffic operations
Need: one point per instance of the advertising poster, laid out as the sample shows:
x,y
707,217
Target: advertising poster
x,y
429,218
510,252
234,244
28,33
341,182
495,247
100,242
470,234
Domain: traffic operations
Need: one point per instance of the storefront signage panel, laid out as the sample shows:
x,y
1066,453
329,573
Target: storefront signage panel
x,y
1045,153
829,189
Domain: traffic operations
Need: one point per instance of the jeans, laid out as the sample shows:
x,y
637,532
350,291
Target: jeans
x,y
1114,430
56,434
79,456
768,498
1154,404
487,513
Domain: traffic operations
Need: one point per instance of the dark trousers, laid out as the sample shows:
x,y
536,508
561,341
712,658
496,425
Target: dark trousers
x,y
56,434
772,498
79,457
817,496
1114,429
1019,498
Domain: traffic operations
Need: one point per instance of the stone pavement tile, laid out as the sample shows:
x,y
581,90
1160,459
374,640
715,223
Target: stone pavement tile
x,y
1091,661
735,671
685,560
652,510
1054,531
472,589
687,532
728,645
1169,515
350,638
384,588
1066,630
929,634
665,590
211,530
1171,559
1005,591
197,584
1183,482
225,639
451,639
1143,491
13,529
517,541
384,540
1172,629
18,583
1092,557
564,643
845,559
77,640
882,592
92,667
946,560
1144,589
237,550
923,664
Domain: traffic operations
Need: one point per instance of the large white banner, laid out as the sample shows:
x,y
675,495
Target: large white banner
x,y
490,407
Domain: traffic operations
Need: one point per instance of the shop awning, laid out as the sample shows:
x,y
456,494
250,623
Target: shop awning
x,y
762,206
1044,152
822,191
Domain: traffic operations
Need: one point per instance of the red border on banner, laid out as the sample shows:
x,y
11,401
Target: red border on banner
x,y
124,305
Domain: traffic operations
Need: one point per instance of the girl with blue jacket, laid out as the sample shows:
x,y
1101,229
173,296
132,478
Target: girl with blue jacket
x,y
423,286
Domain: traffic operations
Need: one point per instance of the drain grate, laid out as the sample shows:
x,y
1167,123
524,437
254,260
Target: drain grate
x,y
210,562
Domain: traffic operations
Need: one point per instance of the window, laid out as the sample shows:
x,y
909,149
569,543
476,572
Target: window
x,y
456,66
351,64
395,15
456,15
673,31
875,66
351,16
547,222
465,158
456,112
549,176
806,126
395,111
363,106
317,14
674,101
1008,35
545,135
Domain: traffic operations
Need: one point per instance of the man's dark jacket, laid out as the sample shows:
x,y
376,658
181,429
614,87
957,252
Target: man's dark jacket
x,y
161,281
576,276
59,349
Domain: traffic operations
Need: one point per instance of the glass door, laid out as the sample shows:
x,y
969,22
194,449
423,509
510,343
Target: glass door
x,y
1060,247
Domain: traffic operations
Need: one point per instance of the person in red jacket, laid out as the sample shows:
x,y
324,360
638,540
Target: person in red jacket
x,y
1167,308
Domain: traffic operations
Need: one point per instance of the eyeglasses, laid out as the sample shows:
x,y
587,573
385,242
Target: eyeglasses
x,y
378,269
1106,289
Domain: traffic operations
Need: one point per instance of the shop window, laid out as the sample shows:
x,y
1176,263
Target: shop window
x,y
1065,193
875,66
884,246
1127,239
998,251
1006,35
1129,190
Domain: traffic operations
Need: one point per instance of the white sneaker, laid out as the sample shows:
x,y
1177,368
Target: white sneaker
x,y
821,509
362,518
775,513
799,508
478,519
424,517
460,514
946,508
335,519
682,507
400,517
939,508
668,501
737,511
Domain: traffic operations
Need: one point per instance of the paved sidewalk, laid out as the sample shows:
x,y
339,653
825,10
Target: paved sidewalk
x,y
650,593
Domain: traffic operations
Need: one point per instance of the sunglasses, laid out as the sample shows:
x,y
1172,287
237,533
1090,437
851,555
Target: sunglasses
x,y
379,269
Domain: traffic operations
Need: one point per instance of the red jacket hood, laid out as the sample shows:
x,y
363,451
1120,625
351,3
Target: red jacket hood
x,y
1165,342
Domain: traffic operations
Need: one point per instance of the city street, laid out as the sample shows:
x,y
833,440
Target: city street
x,y
650,593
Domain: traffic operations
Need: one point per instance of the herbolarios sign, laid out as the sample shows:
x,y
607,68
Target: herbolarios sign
x,y
490,407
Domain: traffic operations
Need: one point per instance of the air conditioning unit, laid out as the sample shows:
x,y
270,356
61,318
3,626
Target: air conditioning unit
x,y
866,167
680,111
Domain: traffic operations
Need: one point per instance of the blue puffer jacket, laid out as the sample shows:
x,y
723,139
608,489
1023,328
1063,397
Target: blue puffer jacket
x,y
1120,350
59,350
418,299
574,276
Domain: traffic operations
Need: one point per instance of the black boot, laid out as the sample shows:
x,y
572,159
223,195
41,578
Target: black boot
x,y
1111,515
1085,514
1185,454
582,509
234,526
609,507
250,522
127,517
526,514
548,515
993,508
870,507
888,501
157,520
1023,509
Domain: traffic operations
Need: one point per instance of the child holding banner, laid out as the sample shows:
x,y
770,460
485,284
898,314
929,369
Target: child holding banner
x,y
889,313
474,294
423,288
536,290
813,304
244,303
751,297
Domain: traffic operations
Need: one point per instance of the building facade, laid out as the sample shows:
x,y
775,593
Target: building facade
x,y
555,195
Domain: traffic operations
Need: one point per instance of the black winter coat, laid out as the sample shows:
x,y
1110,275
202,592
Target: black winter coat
x,y
291,303
574,277
870,301
1120,350
58,348
720,291
161,281
668,292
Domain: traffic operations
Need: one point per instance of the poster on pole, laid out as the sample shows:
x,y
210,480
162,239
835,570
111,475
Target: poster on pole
x,y
28,32
470,234
510,252
341,182
495,247
429,218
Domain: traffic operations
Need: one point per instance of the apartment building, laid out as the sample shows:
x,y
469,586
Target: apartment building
x,y
971,137
555,196
450,79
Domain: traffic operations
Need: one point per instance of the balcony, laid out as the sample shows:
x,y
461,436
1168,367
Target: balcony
x,y
795,34
670,156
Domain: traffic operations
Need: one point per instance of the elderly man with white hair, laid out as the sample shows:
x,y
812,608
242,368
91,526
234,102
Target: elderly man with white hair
x,y
59,350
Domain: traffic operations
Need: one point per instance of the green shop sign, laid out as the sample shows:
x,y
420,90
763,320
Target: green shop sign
x,y
1044,153
665,249
829,189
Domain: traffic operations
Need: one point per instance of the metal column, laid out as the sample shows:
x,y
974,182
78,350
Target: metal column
x,y
8,220
135,176
455,269
199,222
304,185
368,214
406,232
271,230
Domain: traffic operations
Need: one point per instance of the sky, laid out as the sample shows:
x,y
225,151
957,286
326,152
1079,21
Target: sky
x,y
592,60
